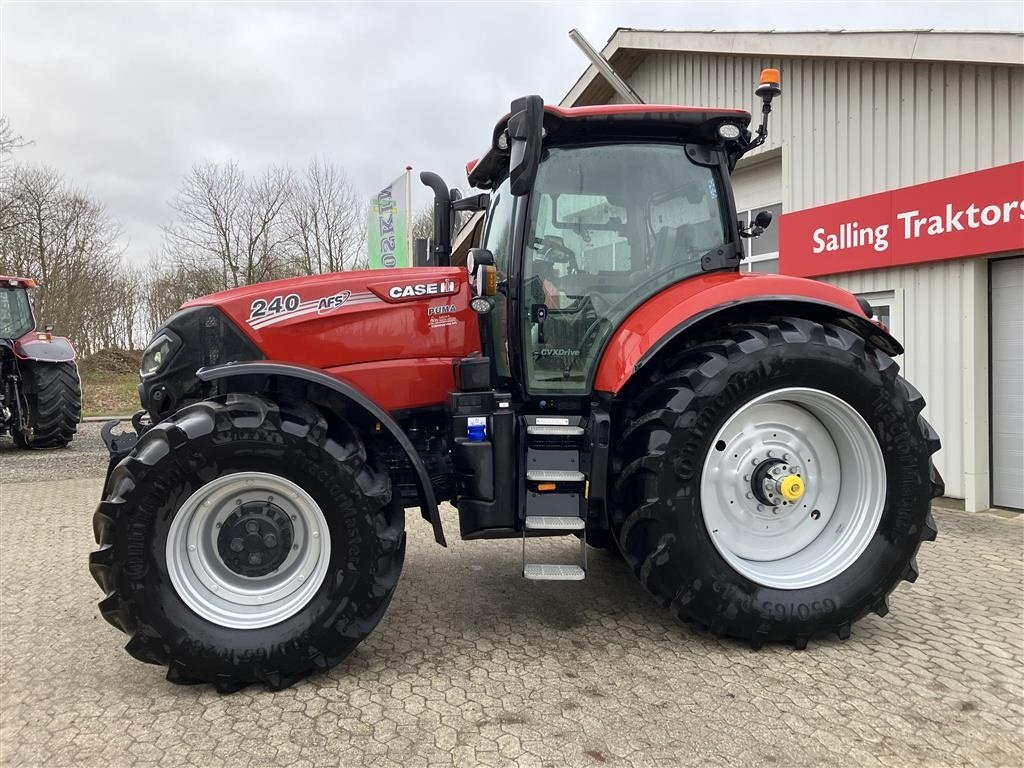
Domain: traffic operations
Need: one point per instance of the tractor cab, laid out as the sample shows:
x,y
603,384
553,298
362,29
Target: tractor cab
x,y
622,204
16,317
591,212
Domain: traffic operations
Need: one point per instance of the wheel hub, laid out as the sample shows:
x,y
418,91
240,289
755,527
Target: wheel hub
x,y
793,488
248,550
776,482
255,539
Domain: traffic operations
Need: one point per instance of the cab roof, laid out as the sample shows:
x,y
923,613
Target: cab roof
x,y
9,281
567,125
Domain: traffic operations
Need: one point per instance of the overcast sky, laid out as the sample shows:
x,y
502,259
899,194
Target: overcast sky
x,y
124,98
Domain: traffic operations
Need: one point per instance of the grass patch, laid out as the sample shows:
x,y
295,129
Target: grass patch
x,y
109,394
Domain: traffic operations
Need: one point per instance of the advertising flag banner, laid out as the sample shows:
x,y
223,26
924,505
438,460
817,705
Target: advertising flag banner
x,y
387,234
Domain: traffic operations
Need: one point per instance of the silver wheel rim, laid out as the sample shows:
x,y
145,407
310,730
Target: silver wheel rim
x,y
823,441
211,588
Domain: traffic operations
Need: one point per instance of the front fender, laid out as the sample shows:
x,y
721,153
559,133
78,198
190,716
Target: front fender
x,y
351,394
699,301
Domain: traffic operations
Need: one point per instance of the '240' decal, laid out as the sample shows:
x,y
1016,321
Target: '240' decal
x,y
278,304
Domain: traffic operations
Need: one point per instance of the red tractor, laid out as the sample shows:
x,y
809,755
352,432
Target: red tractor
x,y
40,391
599,367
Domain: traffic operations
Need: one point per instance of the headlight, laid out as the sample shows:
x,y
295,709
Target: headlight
x,y
729,131
158,353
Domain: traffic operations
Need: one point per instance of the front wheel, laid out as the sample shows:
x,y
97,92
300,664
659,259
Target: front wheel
x,y
245,541
775,483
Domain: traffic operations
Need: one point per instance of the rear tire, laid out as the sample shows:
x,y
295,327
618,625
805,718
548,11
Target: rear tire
x,y
53,393
694,414
171,577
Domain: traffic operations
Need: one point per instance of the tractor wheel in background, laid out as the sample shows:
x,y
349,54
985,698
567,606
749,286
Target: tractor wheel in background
x,y
53,394
774,483
246,541
603,540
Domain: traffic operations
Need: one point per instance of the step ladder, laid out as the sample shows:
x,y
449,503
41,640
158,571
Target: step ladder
x,y
556,491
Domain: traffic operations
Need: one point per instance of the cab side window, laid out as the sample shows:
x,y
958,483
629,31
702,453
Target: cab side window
x,y
497,239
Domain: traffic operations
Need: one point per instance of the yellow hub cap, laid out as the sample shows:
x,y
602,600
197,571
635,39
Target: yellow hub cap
x,y
791,487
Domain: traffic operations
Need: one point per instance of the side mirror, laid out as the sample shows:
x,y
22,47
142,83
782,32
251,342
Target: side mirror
x,y
762,221
483,273
478,257
525,133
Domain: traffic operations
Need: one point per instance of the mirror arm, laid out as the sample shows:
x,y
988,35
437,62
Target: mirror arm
x,y
479,202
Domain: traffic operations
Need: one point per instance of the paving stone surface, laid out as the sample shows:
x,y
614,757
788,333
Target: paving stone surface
x,y
473,666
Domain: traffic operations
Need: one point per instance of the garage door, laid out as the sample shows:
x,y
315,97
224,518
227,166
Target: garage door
x,y
1007,313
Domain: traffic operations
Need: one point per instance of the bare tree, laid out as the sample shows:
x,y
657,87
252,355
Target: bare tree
x,y
165,290
423,223
326,220
9,141
64,238
231,224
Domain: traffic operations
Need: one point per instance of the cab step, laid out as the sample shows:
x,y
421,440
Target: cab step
x,y
554,476
553,431
554,523
547,572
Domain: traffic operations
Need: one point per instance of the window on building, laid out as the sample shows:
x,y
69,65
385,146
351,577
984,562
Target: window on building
x,y
761,254
888,306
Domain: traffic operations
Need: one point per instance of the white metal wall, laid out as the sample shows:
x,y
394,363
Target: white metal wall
x,y
849,127
931,330
756,185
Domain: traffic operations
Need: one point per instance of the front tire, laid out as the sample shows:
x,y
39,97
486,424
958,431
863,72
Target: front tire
x,y
246,541
720,429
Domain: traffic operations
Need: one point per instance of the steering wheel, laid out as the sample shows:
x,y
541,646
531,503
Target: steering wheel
x,y
555,252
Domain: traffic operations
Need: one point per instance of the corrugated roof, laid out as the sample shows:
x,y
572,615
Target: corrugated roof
x,y
627,47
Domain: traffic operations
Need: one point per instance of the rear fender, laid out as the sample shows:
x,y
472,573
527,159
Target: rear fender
x,y
36,347
689,309
263,376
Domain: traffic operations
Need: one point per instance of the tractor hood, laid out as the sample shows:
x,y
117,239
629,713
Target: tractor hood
x,y
392,333
346,318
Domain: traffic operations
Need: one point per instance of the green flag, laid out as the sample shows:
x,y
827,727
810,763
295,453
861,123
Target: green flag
x,y
387,234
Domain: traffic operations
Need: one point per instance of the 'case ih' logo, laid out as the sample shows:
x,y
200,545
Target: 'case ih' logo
x,y
439,288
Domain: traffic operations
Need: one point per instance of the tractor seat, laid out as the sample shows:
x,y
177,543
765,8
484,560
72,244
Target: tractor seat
x,y
673,247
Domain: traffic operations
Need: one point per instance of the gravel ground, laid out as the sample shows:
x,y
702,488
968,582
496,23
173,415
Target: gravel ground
x,y
472,666
86,456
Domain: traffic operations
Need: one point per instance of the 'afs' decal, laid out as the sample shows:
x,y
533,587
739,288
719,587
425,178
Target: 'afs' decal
x,y
266,312
329,303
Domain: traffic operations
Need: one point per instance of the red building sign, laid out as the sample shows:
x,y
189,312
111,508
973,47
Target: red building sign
x,y
967,215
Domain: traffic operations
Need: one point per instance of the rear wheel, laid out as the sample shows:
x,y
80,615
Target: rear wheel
x,y
775,483
53,396
247,541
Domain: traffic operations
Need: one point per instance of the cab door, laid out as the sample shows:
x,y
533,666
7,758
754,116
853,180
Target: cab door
x,y
497,239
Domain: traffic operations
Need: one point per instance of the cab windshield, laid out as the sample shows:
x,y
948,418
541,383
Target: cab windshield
x,y
609,226
15,313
